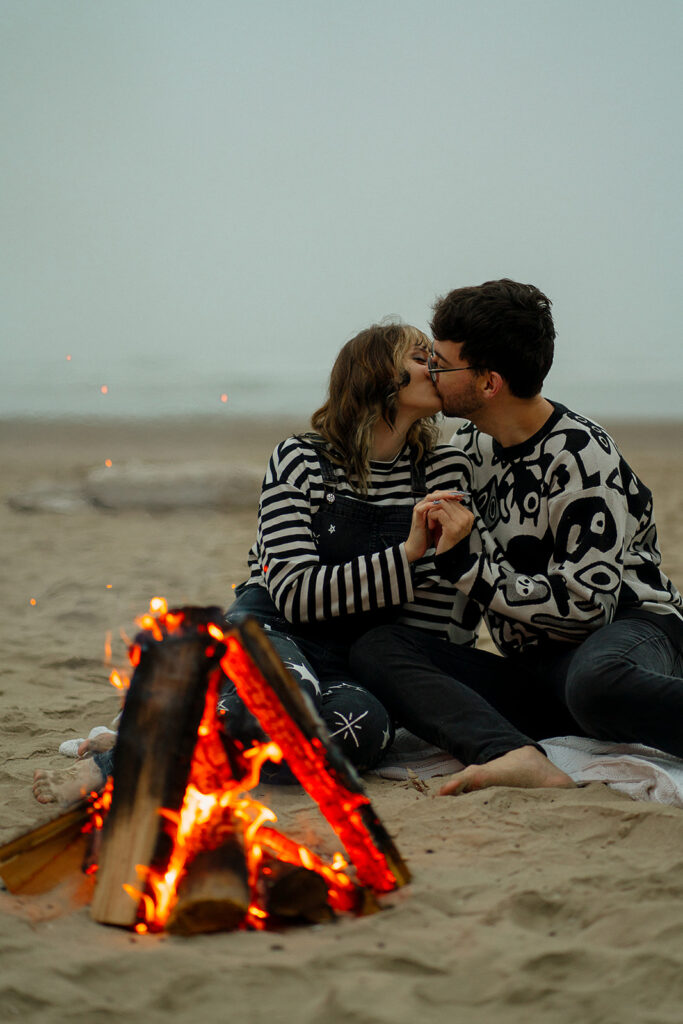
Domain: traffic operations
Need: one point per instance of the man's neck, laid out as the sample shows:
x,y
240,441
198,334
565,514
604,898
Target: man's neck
x,y
514,420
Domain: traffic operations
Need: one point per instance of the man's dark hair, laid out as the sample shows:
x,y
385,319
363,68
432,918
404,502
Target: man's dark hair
x,y
503,326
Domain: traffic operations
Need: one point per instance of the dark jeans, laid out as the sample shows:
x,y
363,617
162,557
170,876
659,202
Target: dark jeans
x,y
625,684
355,719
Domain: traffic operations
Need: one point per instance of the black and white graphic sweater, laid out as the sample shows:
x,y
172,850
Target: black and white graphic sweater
x,y
565,541
285,559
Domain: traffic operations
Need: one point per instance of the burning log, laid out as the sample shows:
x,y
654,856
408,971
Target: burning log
x,y
295,892
273,697
156,741
214,892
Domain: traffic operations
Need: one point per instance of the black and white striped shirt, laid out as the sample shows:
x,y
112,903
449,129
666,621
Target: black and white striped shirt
x,y
285,559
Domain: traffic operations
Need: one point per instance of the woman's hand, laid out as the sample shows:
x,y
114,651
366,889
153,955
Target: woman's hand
x,y
425,530
448,520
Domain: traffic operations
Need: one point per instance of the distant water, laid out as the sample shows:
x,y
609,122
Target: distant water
x,y
68,391
161,395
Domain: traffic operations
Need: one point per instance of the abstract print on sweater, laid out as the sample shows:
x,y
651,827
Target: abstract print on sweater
x,y
565,540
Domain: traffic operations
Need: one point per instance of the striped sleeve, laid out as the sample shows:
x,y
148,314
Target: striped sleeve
x,y
303,589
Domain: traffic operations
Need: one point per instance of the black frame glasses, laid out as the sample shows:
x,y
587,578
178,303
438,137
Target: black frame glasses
x,y
433,369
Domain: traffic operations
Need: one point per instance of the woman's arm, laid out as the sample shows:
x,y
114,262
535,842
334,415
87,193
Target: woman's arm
x,y
304,590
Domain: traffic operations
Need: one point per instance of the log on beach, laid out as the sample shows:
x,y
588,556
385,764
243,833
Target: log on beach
x,y
37,861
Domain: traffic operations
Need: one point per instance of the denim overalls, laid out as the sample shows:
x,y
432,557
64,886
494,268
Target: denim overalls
x,y
316,654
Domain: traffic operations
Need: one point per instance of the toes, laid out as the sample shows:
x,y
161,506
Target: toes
x,y
45,797
454,786
43,792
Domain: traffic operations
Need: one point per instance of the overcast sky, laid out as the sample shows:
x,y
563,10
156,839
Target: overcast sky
x,y
206,190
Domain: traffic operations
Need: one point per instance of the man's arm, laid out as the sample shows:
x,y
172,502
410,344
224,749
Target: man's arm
x,y
577,589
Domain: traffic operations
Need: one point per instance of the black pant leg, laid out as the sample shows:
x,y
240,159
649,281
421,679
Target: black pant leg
x,y
625,684
444,693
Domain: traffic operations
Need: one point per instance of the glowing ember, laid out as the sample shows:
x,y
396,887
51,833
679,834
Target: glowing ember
x,y
104,389
33,601
108,463
118,680
224,398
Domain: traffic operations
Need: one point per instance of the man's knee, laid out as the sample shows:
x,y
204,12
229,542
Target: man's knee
x,y
596,685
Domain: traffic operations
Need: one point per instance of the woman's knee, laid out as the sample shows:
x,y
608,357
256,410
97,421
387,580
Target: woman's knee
x,y
358,722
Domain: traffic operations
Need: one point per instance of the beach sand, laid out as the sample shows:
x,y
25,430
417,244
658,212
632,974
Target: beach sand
x,y
537,905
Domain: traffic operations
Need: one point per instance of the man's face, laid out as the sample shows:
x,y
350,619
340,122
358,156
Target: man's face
x,y
458,385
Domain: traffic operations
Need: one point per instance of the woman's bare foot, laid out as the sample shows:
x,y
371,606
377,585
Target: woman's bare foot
x,y
525,767
97,744
67,787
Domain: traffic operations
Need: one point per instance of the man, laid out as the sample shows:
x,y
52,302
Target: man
x,y
563,561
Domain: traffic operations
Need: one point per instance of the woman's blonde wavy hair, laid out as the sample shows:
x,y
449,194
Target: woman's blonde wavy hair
x,y
364,384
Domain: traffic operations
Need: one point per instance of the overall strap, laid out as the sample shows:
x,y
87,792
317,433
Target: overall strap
x,y
418,481
326,467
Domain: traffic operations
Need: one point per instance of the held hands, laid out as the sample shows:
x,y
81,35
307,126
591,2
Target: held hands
x,y
440,519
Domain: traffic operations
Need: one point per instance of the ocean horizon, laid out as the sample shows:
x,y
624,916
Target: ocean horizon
x,y
66,394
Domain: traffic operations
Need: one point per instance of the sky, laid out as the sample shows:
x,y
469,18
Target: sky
x,y
205,198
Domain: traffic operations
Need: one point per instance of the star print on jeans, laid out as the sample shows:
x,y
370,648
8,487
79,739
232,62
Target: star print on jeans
x,y
348,726
303,673
331,528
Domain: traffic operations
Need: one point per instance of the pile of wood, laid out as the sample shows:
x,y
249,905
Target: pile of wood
x,y
171,747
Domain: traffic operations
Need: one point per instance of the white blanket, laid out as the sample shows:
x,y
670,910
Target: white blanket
x,y
642,772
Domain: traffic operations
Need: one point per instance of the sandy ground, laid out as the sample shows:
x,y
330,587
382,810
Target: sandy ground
x,y
546,905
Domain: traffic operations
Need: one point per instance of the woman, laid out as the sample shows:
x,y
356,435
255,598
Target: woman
x,y
342,538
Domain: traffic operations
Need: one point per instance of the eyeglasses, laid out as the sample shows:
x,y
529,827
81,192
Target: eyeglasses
x,y
433,369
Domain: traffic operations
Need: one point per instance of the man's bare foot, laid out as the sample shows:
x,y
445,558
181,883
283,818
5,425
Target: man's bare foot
x,y
67,787
525,767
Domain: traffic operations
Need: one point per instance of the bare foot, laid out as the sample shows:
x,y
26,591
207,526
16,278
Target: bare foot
x,y
525,767
67,787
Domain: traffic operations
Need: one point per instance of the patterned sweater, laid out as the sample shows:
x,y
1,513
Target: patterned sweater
x,y
565,541
285,559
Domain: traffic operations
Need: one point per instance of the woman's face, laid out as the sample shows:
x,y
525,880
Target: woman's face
x,y
419,396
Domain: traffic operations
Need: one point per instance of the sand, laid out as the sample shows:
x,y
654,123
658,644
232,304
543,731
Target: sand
x,y
545,905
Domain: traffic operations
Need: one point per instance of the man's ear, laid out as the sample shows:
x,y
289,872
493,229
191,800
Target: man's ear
x,y
493,384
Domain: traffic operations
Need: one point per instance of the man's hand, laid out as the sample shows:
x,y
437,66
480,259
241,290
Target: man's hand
x,y
426,529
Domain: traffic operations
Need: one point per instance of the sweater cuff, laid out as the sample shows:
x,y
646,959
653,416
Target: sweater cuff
x,y
455,562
